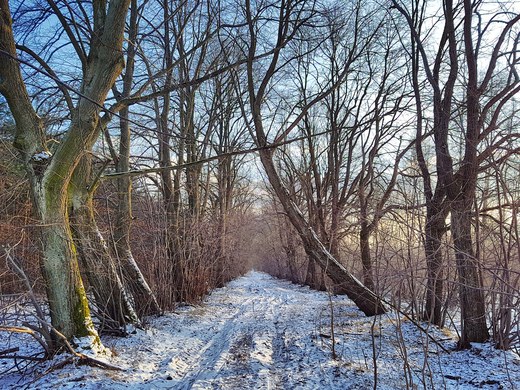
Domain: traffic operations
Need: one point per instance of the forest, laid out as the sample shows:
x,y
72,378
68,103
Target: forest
x,y
152,151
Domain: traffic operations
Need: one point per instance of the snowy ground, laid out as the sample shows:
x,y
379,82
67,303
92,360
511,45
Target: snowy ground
x,y
264,333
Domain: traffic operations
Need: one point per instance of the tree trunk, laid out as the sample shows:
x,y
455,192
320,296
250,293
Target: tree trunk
x,y
472,302
144,300
434,231
310,274
221,257
366,259
471,292
70,313
290,253
192,172
170,190
224,204
143,297
315,278
49,178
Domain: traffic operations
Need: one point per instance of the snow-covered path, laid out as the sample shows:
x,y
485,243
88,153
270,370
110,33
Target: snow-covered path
x,y
258,332
262,333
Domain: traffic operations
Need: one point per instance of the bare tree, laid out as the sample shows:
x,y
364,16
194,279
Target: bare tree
x,y
145,301
480,111
291,16
50,174
339,168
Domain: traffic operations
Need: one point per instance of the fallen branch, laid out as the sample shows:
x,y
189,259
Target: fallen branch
x,y
29,331
23,357
84,359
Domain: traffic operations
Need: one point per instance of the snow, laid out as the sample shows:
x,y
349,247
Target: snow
x,y
42,156
259,332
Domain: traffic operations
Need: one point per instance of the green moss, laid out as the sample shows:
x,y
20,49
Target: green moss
x,y
82,319
84,327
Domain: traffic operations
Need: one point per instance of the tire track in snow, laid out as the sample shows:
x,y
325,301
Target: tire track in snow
x,y
208,368
256,333
197,361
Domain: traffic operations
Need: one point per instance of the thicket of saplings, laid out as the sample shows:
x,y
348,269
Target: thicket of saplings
x,y
206,257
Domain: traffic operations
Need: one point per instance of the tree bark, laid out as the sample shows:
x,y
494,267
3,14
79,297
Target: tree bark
x,y
434,261
145,302
462,196
68,304
143,296
366,259
471,293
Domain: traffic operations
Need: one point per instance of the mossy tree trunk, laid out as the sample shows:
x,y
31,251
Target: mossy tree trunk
x,y
68,303
50,175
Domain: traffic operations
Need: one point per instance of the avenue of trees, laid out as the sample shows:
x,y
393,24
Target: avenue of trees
x,y
385,135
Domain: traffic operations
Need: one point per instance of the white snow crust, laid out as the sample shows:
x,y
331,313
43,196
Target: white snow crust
x,y
259,332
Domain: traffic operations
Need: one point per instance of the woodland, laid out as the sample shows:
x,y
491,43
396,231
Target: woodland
x,y
154,150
